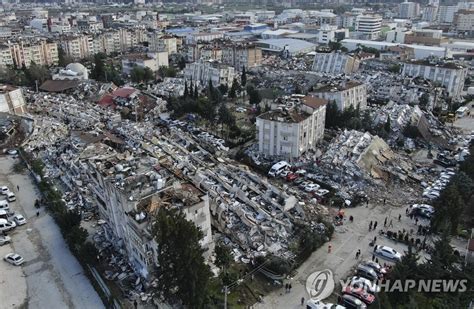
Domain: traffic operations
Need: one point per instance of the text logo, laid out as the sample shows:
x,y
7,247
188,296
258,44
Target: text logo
x,y
320,284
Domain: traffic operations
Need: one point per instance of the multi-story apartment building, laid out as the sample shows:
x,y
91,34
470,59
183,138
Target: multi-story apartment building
x,y
78,47
12,100
129,193
464,21
292,131
203,37
369,26
446,13
335,62
408,9
447,74
430,13
344,94
202,72
241,55
6,58
24,53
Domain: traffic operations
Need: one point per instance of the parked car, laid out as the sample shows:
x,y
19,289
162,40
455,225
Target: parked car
x,y
5,240
367,272
352,302
317,304
4,205
19,219
364,283
14,259
6,226
12,152
11,196
291,177
311,187
4,190
375,266
359,293
284,173
321,192
388,253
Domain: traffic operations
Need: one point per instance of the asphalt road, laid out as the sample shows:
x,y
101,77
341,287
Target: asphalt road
x,y
51,277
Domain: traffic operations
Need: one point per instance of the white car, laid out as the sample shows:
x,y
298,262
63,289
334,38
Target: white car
x,y
284,173
19,220
426,207
366,284
5,240
317,304
14,258
311,187
4,190
12,152
11,196
321,192
388,253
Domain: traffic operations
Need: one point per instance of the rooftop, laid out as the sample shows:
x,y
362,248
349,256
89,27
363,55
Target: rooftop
x,y
338,87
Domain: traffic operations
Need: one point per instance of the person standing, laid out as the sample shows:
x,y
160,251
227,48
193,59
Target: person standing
x,y
17,187
370,226
399,218
391,223
329,248
385,222
302,301
375,225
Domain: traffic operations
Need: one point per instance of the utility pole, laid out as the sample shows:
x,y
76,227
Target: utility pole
x,y
225,296
36,83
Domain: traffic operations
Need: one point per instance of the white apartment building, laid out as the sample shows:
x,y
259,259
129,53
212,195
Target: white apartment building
x,y
203,37
12,100
449,75
150,60
464,20
369,25
446,13
329,33
430,13
159,42
408,9
335,62
6,57
128,205
78,47
291,132
202,71
344,94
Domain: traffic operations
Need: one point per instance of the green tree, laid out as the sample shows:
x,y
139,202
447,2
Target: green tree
x,y
234,88
98,70
182,272
167,71
395,68
254,96
186,91
333,115
449,208
387,125
63,59
137,75
223,256
243,77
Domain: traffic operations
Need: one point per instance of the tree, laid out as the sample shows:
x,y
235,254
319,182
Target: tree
x,y
182,272
63,59
98,71
254,96
137,75
332,115
223,256
243,77
186,92
449,208
394,68
424,99
167,71
181,63
234,88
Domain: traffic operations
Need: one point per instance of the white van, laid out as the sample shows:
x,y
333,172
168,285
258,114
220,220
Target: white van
x,y
5,225
277,168
4,205
11,196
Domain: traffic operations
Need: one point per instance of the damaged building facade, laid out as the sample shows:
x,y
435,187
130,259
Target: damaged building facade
x,y
344,93
292,130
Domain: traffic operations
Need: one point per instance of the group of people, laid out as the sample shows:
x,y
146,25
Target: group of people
x,y
287,287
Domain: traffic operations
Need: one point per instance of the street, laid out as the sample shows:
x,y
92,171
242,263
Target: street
x,y
51,277
347,239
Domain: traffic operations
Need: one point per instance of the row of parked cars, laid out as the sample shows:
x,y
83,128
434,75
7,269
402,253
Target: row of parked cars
x,y
9,221
299,178
433,190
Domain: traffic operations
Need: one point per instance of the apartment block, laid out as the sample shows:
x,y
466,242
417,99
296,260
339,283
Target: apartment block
x,y
409,9
41,53
464,21
450,75
202,71
369,26
241,55
345,94
153,61
425,37
293,130
335,62
78,47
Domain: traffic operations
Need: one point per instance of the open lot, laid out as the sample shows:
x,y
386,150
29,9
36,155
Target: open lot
x,y
51,277
347,239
